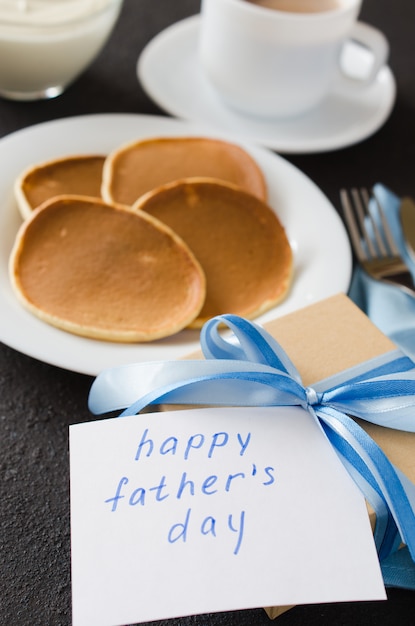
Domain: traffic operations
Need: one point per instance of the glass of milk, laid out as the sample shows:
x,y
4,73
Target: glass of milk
x,y
46,44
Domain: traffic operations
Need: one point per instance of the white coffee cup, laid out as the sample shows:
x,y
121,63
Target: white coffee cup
x,y
272,63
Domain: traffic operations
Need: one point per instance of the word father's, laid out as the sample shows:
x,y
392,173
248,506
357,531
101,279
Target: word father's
x,y
215,450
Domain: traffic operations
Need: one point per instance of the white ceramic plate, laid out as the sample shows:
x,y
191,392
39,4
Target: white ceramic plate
x,y
322,261
169,71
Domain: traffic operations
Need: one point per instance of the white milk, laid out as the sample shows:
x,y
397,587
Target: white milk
x,y
46,44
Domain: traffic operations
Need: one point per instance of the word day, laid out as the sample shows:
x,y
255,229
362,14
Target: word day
x,y
209,526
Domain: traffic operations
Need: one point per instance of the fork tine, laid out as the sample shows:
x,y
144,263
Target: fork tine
x,y
374,224
386,228
352,225
362,213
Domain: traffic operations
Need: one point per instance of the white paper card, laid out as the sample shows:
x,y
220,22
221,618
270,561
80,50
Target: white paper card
x,y
195,511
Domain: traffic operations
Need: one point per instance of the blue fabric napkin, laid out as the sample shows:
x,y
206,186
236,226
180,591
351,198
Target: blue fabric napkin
x,y
391,310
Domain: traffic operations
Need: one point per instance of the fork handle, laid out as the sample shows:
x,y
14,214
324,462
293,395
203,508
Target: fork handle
x,y
404,279
394,273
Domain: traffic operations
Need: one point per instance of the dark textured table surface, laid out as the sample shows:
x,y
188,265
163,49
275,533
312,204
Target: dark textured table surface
x,y
39,401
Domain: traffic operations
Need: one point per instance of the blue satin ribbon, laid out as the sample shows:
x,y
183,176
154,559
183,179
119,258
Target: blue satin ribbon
x,y
251,369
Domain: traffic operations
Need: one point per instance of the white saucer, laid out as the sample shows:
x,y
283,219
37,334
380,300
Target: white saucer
x,y
169,71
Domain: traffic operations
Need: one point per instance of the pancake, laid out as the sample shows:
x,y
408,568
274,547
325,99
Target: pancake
x,y
138,167
80,174
105,272
238,240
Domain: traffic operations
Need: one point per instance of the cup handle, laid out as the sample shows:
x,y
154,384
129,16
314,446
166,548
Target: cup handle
x,y
364,53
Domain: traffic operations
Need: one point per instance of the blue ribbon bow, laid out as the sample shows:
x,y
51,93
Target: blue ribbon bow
x,y
255,371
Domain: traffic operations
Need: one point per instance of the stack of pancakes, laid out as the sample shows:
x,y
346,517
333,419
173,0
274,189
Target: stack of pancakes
x,y
159,235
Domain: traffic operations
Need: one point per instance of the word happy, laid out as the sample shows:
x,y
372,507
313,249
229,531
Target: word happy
x,y
171,445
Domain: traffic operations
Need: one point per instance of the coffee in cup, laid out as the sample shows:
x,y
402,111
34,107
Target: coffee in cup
x,y
298,6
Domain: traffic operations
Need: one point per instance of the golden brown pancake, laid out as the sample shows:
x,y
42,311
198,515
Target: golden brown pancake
x,y
80,174
105,272
238,240
136,168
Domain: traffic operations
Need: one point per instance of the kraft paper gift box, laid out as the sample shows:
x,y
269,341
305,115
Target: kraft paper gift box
x,y
326,338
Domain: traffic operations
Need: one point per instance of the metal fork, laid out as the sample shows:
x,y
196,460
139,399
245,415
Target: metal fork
x,y
372,240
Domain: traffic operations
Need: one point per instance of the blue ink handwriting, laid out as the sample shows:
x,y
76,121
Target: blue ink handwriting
x,y
161,490
209,526
172,445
